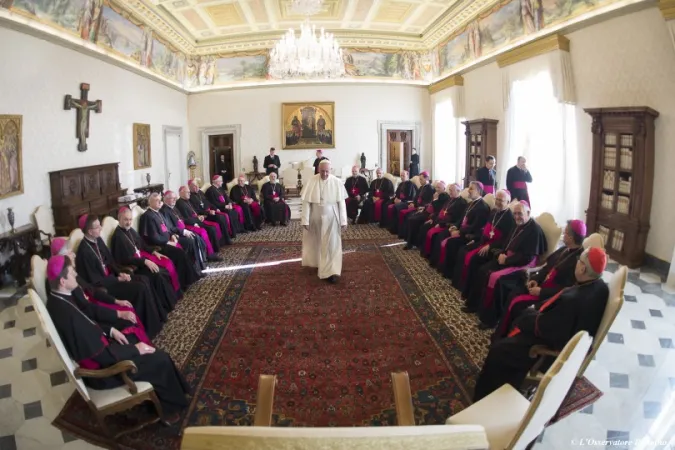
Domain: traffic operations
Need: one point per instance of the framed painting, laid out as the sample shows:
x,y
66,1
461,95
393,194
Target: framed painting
x,y
142,149
11,177
308,125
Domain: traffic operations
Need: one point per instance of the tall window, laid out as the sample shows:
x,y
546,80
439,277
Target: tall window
x,y
445,141
543,130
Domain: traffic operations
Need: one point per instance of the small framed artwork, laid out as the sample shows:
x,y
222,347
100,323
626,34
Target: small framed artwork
x,y
142,149
11,175
308,125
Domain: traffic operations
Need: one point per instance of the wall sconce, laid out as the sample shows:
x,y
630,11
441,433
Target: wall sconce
x,y
192,164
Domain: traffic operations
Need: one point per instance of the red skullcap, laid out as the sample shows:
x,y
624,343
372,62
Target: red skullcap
x,y
525,203
123,209
579,227
507,191
480,185
168,193
82,221
55,266
216,178
424,174
58,244
595,259
182,188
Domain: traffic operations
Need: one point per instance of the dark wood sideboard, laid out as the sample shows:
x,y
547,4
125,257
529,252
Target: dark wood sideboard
x,y
84,190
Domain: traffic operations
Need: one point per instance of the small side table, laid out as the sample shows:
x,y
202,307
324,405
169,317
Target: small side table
x,y
24,237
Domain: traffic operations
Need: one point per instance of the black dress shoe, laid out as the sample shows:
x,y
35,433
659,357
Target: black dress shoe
x,y
484,326
333,279
283,224
468,309
214,258
408,247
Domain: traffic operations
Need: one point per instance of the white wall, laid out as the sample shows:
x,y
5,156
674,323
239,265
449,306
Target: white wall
x,y
358,108
625,61
34,78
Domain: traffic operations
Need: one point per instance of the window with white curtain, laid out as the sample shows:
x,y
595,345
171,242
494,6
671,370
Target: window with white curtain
x,y
445,140
543,130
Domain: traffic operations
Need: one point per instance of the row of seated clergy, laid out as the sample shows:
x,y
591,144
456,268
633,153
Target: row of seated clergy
x,y
242,198
96,337
550,322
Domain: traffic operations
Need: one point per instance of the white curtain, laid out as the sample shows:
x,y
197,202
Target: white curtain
x,y
541,126
448,135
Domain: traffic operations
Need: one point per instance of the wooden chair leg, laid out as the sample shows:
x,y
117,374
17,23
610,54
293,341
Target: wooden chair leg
x,y
158,408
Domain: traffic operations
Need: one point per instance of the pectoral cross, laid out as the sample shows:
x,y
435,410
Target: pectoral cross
x,y
492,234
83,106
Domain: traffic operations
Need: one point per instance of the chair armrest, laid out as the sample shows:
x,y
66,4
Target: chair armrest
x,y
264,401
403,399
121,368
540,351
127,269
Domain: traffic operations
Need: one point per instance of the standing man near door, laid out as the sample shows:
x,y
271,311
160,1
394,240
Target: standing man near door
x,y
517,178
221,166
272,163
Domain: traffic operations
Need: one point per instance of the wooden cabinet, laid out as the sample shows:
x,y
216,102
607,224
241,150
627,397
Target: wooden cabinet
x,y
622,180
481,141
85,190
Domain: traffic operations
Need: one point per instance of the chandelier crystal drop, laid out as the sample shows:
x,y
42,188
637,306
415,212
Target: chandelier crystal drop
x,y
306,56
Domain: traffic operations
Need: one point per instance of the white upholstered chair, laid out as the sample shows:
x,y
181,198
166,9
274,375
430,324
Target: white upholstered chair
x,y
230,185
510,420
289,177
38,278
101,402
261,436
394,180
136,213
262,181
74,239
594,240
108,228
416,181
615,300
552,232
464,194
490,200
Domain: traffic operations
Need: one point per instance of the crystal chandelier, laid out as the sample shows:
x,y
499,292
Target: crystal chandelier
x,y
307,55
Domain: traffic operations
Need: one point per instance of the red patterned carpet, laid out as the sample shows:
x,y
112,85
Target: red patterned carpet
x,y
332,347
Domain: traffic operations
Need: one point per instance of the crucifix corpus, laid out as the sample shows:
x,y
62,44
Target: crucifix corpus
x,y
83,106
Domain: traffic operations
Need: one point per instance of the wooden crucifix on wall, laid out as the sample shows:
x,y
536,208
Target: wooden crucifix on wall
x,y
83,106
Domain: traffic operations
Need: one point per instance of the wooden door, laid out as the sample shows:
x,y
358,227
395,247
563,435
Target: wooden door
x,y
399,145
221,156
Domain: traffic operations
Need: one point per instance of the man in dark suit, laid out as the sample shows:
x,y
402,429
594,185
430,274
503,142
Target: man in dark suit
x,y
272,163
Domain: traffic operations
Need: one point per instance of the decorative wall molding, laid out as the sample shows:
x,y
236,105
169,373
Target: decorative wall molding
x,y
385,125
534,48
454,80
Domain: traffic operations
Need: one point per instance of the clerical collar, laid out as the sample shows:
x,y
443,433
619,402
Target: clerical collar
x,y
90,239
56,291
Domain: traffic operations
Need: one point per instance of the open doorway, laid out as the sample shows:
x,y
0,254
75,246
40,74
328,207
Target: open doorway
x,y
221,156
399,145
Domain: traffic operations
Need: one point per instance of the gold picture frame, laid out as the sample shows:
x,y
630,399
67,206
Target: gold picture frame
x,y
11,169
308,125
142,148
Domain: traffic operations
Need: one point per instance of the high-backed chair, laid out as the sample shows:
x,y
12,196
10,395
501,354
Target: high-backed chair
x,y
490,200
262,436
101,402
394,180
510,420
289,177
615,300
44,219
74,239
38,277
464,194
262,181
594,240
416,181
136,214
108,227
552,232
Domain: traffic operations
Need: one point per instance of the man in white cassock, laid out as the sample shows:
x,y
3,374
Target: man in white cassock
x,y
324,214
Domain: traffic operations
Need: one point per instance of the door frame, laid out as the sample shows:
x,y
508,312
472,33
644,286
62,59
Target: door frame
x,y
176,131
383,127
235,131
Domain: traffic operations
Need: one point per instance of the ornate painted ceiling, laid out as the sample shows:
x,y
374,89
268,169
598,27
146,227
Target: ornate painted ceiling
x,y
221,26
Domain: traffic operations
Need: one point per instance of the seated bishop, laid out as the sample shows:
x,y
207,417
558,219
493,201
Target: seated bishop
x,y
416,220
218,231
218,196
120,313
97,266
227,219
425,195
244,196
450,214
552,324
524,244
129,249
193,238
405,193
276,209
356,187
154,230
95,344
475,253
519,290
381,190
446,244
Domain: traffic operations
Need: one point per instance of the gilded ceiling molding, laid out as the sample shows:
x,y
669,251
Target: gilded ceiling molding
x,y
159,24
667,8
534,48
453,80
467,11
